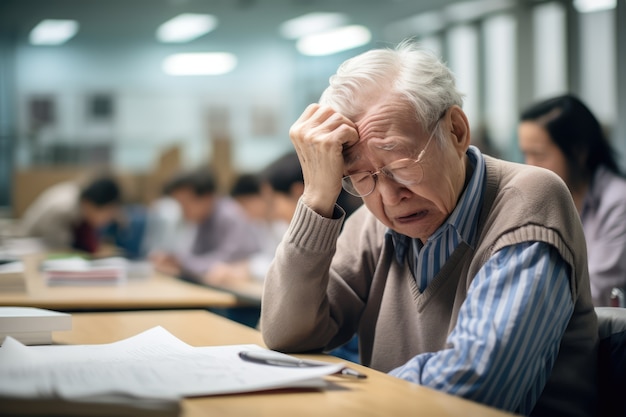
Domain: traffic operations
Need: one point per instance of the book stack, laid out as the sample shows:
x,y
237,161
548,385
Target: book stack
x,y
12,277
32,326
79,271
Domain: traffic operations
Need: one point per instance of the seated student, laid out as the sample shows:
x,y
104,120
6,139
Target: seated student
x,y
69,215
253,194
279,187
562,135
220,233
247,192
163,220
270,199
127,231
247,273
459,273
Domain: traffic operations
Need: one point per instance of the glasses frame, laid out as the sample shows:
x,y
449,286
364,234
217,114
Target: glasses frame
x,y
347,184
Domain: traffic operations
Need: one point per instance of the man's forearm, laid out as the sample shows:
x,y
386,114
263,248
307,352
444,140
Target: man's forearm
x,y
295,315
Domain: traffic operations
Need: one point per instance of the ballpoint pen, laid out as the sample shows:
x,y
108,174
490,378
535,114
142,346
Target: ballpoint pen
x,y
280,359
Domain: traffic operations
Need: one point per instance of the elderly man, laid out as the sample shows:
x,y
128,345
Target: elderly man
x,y
463,273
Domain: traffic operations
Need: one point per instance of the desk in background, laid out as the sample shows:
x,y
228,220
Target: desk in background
x,y
248,293
155,291
378,395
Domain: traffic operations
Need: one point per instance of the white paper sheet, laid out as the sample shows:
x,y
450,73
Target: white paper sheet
x,y
152,364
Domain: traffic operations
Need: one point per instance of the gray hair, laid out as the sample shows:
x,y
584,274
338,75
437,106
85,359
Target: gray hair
x,y
407,70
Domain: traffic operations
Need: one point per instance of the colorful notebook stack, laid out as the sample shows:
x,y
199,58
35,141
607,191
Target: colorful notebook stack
x,y
79,271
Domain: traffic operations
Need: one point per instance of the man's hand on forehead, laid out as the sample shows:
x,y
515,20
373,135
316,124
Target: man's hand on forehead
x,y
351,154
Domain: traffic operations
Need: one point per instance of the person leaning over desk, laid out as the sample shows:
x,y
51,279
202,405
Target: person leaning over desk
x,y
220,232
461,272
279,186
70,215
562,135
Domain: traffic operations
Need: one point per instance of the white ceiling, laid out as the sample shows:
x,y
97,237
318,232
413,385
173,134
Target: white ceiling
x,y
239,20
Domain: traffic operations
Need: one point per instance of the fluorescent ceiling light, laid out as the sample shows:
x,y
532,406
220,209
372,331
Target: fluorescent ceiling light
x,y
208,63
311,23
53,32
333,41
588,6
186,27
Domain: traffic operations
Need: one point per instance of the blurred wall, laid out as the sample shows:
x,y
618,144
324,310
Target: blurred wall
x,y
503,61
151,109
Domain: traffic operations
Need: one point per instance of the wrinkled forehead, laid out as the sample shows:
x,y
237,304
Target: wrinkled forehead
x,y
389,126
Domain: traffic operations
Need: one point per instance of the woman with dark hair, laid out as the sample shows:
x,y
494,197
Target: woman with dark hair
x,y
562,135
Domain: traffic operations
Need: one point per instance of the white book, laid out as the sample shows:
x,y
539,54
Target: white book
x,y
32,325
29,338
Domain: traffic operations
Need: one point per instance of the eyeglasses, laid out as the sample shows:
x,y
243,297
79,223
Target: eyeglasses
x,y
406,171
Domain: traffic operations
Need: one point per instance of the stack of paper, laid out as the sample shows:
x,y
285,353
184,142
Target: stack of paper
x,y
153,365
79,271
32,326
12,277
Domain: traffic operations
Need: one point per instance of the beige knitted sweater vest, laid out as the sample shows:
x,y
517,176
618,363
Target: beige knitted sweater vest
x,y
322,288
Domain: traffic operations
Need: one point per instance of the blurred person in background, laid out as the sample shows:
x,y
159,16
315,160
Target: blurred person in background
x,y
218,228
70,215
247,192
246,275
275,196
127,232
270,199
562,135
164,220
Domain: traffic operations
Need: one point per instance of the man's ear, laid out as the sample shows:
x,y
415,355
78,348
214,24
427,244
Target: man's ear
x,y
459,128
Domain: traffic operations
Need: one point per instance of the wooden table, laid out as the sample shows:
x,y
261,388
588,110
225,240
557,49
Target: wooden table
x,y
378,395
155,291
248,293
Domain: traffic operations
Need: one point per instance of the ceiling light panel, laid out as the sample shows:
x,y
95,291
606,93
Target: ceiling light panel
x,y
53,32
186,27
311,23
333,41
201,63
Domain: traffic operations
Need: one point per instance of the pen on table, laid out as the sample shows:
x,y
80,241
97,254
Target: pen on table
x,y
278,359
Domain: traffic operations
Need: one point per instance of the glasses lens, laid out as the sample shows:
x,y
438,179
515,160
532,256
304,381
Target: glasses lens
x,y
359,185
405,171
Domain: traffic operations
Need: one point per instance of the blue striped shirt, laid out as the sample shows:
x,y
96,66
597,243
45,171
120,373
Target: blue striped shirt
x,y
509,328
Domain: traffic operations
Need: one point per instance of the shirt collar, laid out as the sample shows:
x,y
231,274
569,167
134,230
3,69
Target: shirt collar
x,y
464,217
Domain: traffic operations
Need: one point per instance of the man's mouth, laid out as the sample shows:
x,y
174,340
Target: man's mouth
x,y
419,215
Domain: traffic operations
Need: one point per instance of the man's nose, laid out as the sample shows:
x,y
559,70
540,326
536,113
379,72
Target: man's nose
x,y
390,191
